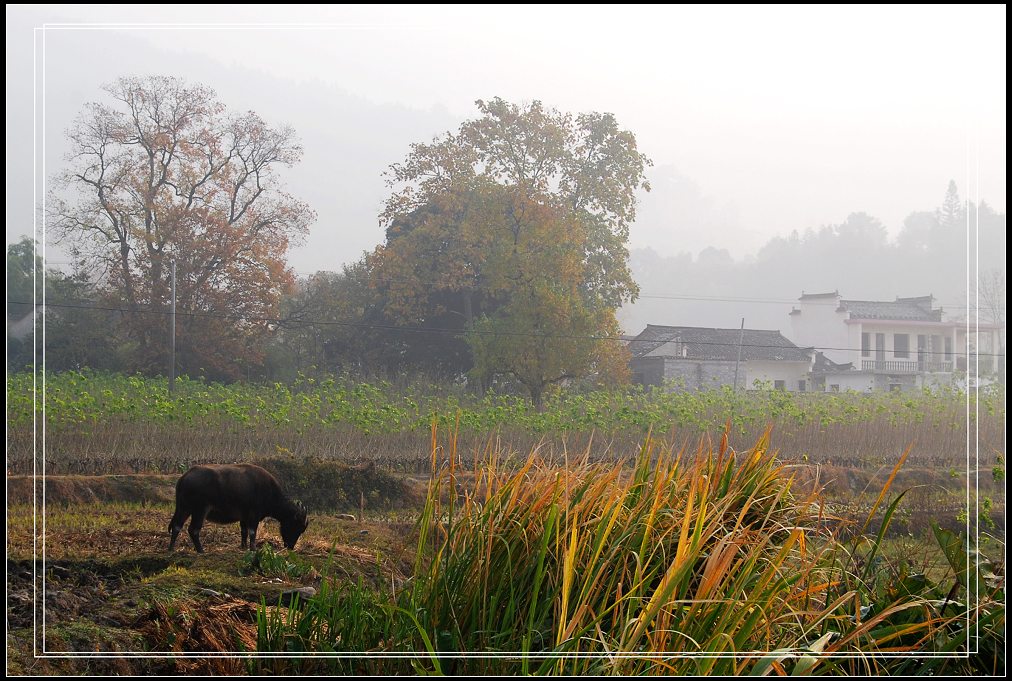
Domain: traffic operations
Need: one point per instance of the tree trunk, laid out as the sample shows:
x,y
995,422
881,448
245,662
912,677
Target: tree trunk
x,y
536,397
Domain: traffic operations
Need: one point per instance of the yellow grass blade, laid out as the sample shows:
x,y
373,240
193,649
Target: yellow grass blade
x,y
885,488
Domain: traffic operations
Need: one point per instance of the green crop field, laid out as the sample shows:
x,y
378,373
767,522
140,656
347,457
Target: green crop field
x,y
104,423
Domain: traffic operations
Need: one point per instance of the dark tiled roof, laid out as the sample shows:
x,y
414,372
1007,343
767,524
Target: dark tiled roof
x,y
715,344
905,309
824,365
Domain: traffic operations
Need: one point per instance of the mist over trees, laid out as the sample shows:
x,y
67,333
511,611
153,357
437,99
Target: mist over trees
x,y
505,253
855,257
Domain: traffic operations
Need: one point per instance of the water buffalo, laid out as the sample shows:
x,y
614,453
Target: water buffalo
x,y
228,493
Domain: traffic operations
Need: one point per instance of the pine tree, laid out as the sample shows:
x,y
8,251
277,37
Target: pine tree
x,y
952,214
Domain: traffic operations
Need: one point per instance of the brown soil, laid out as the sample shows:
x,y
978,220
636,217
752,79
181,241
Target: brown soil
x,y
103,579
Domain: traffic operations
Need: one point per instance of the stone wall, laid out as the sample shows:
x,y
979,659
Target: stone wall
x,y
701,375
687,374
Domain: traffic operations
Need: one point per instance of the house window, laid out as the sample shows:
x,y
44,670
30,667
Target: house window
x,y
866,344
834,387
880,347
780,385
948,348
901,345
801,386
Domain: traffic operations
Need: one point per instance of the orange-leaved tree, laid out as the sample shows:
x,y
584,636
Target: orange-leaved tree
x,y
160,173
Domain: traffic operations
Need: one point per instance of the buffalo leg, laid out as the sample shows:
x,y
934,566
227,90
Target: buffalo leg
x,y
243,528
196,523
253,535
176,525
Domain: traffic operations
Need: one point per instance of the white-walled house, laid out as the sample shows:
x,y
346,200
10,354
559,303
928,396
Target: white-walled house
x,y
695,358
870,345
986,350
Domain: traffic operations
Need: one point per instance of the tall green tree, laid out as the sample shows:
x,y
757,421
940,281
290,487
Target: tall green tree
x,y
24,277
78,332
325,326
586,166
24,269
523,203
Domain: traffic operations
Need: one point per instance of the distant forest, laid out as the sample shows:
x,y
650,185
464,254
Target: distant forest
x,y
856,258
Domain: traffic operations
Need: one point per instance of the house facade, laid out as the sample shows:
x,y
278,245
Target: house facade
x,y
986,356
886,345
696,358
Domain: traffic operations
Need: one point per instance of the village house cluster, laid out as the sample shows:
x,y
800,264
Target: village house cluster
x,y
835,345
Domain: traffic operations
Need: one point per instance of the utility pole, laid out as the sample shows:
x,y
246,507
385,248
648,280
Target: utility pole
x,y
734,389
172,335
741,337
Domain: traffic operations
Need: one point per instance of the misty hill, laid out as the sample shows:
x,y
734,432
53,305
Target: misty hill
x,y
855,257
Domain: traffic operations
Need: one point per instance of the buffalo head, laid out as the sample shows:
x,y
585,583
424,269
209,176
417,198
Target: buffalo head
x,y
294,525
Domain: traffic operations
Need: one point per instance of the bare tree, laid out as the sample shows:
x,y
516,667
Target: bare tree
x,y
992,301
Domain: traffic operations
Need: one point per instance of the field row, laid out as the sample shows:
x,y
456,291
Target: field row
x,y
109,423
79,398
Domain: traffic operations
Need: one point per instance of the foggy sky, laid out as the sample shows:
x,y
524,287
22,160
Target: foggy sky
x,y
760,120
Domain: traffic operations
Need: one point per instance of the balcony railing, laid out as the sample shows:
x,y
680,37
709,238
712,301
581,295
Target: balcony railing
x,y
896,366
987,364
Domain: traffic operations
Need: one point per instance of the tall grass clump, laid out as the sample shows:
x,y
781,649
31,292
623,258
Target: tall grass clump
x,y
688,562
688,552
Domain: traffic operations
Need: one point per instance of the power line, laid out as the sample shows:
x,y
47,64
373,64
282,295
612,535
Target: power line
x,y
652,296
439,330
719,299
647,296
